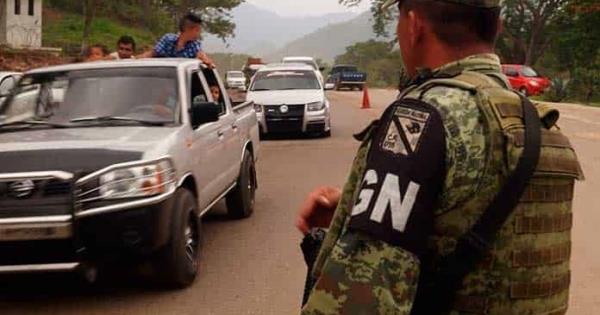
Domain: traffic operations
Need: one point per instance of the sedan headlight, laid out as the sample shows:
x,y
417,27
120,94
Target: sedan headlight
x,y
138,181
316,106
258,108
534,83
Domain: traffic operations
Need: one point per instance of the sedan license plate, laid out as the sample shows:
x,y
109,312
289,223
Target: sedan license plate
x,y
34,232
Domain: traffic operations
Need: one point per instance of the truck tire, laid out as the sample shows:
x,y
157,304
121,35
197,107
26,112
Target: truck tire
x,y
240,201
177,264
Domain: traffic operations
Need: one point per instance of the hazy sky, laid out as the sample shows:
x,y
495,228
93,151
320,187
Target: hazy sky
x,y
306,7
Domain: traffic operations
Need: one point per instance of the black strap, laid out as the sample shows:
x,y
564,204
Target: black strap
x,y
437,292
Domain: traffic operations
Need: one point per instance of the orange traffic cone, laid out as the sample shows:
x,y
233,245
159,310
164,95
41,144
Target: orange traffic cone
x,y
366,102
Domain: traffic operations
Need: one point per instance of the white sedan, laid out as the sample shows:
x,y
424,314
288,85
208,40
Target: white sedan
x,y
290,98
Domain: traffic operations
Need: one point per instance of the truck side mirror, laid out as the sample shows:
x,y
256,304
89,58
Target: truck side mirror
x,y
204,112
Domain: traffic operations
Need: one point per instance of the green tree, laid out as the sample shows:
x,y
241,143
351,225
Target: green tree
x,y
577,49
530,27
157,15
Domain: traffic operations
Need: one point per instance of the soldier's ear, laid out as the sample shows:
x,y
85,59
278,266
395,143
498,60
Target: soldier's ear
x,y
415,27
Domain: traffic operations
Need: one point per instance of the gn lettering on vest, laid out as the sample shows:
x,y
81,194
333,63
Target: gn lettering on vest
x,y
389,197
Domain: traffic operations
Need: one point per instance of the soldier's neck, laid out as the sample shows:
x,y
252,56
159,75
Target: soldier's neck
x,y
442,54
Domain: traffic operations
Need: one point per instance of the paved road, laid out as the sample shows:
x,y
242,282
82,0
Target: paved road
x,y
254,266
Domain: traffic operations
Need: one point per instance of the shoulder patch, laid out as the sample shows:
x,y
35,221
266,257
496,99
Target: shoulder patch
x,y
404,130
404,175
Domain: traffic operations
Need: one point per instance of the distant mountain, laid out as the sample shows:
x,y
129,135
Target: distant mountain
x,y
329,41
260,31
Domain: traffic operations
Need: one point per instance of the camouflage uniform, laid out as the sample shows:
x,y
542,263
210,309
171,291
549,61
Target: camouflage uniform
x,y
527,271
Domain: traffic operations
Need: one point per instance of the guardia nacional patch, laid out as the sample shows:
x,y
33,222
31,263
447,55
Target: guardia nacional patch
x,y
403,177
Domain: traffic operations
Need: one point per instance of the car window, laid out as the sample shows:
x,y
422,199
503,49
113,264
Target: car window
x,y
305,62
7,84
511,72
344,69
216,91
285,80
198,94
529,72
235,75
60,97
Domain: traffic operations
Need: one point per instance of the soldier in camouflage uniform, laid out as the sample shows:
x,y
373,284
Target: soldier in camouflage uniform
x,y
427,170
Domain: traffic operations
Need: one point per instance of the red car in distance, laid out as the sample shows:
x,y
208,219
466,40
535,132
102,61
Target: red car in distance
x,y
525,79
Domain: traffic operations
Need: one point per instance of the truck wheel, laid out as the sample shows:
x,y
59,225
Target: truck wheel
x,y
177,263
240,201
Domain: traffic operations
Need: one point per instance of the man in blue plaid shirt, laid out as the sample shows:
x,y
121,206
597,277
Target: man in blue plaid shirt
x,y
182,45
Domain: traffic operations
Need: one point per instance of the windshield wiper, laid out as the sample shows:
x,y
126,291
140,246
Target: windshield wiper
x,y
30,123
102,119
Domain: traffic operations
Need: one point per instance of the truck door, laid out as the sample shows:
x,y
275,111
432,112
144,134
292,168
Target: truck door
x,y
229,129
207,147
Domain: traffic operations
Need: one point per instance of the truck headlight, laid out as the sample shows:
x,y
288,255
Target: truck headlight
x,y
316,106
138,181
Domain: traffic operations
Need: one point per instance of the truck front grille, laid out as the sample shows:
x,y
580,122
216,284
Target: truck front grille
x,y
30,196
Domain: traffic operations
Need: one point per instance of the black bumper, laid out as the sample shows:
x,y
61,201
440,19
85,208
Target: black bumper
x,y
127,234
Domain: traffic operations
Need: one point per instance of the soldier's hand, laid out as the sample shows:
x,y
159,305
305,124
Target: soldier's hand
x,y
318,208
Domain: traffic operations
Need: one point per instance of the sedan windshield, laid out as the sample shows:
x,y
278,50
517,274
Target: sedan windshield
x,y
235,75
129,94
285,80
304,62
528,72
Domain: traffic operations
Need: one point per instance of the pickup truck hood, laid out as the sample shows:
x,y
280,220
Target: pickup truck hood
x,y
77,149
285,97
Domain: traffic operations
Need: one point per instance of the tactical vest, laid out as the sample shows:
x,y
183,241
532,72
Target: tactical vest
x,y
527,272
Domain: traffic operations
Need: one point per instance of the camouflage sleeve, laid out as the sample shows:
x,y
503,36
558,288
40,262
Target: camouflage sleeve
x,y
365,276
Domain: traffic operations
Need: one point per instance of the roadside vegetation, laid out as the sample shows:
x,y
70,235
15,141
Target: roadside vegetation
x,y
558,38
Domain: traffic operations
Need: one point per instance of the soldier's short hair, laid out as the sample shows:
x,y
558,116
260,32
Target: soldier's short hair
x,y
457,24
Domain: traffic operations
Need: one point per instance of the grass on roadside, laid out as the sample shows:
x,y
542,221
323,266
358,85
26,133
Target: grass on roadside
x,y
65,30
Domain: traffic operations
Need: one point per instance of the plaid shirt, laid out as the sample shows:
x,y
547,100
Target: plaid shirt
x,y
167,47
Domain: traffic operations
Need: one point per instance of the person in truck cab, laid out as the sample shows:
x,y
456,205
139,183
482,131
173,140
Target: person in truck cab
x,y
215,91
185,44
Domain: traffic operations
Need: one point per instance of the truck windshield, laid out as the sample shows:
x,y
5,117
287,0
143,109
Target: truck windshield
x,y
143,94
529,72
345,69
285,80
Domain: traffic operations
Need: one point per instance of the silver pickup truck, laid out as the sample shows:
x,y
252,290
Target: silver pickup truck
x,y
111,162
